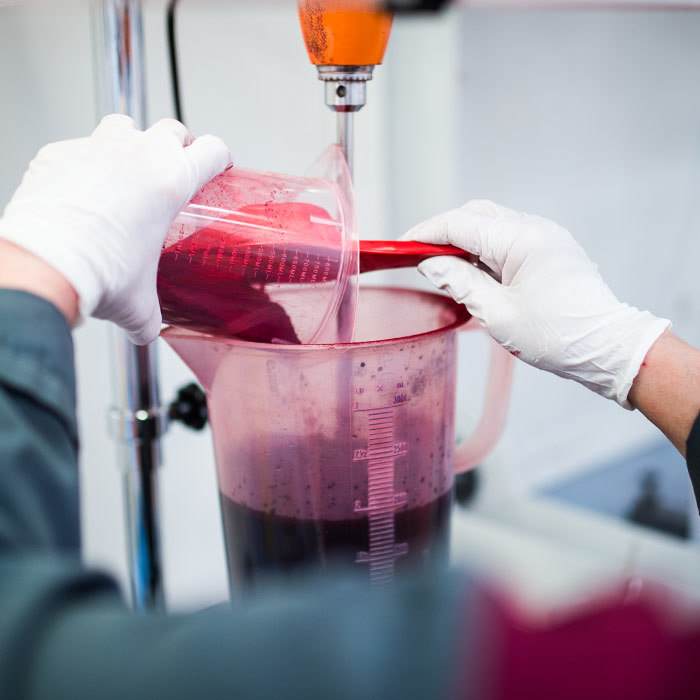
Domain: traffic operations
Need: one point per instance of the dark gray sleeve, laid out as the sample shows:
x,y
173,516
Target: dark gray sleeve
x,y
65,633
692,456
38,436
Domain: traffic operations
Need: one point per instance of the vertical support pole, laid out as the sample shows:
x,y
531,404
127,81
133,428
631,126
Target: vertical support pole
x,y
137,419
345,92
344,137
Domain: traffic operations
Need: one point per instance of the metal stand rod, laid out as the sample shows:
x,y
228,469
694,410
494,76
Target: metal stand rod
x,y
344,137
345,92
137,421
137,424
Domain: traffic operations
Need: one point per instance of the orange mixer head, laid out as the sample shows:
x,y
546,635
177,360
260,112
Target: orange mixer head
x,y
344,32
345,39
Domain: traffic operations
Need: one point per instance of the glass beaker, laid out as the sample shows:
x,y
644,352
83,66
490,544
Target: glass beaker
x,y
265,257
346,452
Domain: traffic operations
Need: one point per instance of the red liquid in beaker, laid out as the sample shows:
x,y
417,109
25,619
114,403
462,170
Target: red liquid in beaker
x,y
222,278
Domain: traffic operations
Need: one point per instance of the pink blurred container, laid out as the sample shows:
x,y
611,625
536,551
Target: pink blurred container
x,y
343,452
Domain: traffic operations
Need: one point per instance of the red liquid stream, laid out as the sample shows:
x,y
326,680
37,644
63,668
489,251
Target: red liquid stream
x,y
217,280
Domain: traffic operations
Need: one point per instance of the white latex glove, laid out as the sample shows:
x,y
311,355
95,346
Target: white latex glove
x,y
97,210
552,308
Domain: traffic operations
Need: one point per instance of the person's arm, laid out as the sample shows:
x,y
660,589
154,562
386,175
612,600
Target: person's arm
x,y
546,301
23,271
96,210
81,234
667,392
551,308
38,429
667,388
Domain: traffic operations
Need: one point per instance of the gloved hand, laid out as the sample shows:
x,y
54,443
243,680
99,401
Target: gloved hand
x,y
551,308
97,210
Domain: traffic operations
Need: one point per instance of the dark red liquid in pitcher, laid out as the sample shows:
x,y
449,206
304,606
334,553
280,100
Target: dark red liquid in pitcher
x,y
260,544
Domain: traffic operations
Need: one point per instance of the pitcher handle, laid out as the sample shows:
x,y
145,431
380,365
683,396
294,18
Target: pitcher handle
x,y
470,452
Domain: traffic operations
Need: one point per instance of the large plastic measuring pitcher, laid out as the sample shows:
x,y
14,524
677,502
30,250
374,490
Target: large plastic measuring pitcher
x,y
343,452
265,257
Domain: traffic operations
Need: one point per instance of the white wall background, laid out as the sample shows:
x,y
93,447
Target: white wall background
x,y
590,118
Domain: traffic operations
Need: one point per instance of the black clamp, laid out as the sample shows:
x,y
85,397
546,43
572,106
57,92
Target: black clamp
x,y
190,407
